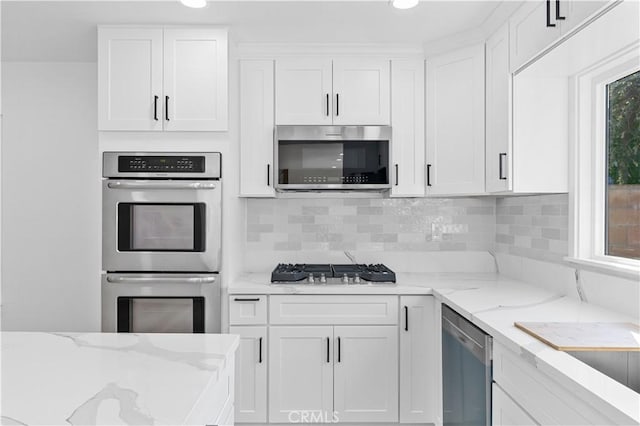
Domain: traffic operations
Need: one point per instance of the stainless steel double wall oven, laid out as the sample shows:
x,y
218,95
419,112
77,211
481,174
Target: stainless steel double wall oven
x,y
161,224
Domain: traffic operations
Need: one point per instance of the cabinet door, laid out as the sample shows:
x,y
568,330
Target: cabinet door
x,y
455,122
529,34
505,412
362,94
407,103
418,386
129,79
251,374
300,372
498,103
366,373
256,128
303,91
195,79
577,11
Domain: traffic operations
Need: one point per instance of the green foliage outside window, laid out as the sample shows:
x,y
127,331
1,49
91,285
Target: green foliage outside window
x,y
624,130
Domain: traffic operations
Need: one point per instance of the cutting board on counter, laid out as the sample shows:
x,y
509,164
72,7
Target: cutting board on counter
x,y
585,336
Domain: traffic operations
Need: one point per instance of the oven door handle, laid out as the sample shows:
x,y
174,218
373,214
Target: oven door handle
x,y
118,184
163,280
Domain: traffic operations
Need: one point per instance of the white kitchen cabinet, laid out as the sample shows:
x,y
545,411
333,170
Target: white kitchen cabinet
x,y
530,34
251,374
498,112
304,91
130,78
319,91
417,359
505,412
300,371
256,128
366,373
407,121
162,79
455,122
361,88
195,79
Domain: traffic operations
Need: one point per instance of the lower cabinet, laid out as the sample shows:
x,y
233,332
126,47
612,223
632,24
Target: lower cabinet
x,y
505,412
251,374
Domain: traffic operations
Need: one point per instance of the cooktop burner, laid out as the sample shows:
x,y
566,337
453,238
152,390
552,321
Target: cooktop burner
x,y
332,274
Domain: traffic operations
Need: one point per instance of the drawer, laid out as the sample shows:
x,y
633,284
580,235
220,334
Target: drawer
x,y
352,309
247,309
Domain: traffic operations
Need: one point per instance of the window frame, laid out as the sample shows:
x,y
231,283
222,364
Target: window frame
x,y
588,168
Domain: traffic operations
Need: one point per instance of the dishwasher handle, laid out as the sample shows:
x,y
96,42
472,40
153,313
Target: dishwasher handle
x,y
482,351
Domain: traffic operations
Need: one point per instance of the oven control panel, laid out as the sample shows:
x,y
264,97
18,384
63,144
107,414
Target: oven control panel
x,y
161,163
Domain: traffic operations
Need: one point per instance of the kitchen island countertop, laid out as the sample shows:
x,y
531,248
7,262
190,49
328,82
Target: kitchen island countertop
x,y
111,378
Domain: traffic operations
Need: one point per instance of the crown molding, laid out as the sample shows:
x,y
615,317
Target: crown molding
x,y
273,50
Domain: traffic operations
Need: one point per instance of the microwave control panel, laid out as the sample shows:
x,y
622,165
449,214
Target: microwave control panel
x,y
161,163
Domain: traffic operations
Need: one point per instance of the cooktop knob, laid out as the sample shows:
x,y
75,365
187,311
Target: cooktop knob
x,y
345,279
311,280
323,279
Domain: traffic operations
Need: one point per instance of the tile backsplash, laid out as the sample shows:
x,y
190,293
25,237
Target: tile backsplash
x,y
371,224
533,226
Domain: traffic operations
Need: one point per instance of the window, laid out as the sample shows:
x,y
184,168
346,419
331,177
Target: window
x,y
605,190
622,206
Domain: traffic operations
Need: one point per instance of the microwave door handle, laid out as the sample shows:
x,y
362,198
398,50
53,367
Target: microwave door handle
x,y
163,280
160,185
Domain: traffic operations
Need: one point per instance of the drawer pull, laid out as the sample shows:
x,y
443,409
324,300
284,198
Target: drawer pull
x,y
244,299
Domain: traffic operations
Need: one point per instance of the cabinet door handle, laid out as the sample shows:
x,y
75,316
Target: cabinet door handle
x,y
246,299
501,156
337,104
166,108
558,17
260,350
396,175
338,349
406,318
328,341
268,174
327,104
155,108
428,174
549,24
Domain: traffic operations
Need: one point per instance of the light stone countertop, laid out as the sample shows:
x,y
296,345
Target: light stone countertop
x,y
493,302
109,378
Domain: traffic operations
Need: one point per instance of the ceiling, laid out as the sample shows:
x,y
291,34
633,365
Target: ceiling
x,y
50,31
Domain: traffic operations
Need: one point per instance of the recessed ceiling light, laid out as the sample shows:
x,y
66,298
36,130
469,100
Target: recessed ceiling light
x,y
196,4
404,4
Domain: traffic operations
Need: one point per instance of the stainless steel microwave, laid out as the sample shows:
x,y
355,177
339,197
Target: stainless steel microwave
x,y
332,157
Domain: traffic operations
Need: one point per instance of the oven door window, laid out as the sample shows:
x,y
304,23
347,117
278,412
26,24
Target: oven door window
x,y
334,162
160,315
161,227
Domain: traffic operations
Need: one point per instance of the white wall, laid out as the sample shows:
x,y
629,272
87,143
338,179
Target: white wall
x,y
50,198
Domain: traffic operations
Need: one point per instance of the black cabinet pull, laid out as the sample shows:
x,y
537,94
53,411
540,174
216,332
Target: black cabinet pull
x,y
337,104
155,108
166,108
396,175
260,350
558,17
406,318
338,349
549,24
268,174
428,174
245,299
501,169
328,340
327,104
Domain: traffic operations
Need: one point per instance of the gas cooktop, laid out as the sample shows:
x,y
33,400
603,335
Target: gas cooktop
x,y
332,274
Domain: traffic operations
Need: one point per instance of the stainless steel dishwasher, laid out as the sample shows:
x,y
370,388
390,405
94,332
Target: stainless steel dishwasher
x,y
466,371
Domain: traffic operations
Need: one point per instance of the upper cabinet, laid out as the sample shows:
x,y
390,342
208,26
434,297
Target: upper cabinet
x,y
538,24
317,91
157,79
455,122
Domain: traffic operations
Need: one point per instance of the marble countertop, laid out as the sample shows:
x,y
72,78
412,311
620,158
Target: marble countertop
x,y
108,378
494,303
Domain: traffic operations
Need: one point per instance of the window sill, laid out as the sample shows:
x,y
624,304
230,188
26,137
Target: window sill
x,y
603,267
